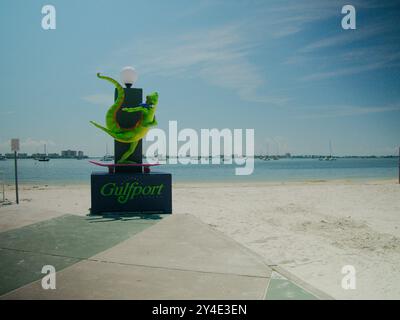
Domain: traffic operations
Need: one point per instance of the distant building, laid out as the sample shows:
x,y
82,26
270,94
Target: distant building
x,y
288,155
80,154
53,155
38,155
9,155
22,155
68,154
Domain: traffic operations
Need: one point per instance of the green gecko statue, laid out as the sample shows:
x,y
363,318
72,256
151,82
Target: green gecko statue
x,y
139,131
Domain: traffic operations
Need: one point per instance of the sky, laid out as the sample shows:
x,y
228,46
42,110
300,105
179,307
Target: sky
x,y
287,69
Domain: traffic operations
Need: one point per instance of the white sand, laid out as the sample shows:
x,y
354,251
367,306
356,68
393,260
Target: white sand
x,y
311,229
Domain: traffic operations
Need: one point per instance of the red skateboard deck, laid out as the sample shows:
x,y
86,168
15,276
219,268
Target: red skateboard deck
x,y
111,166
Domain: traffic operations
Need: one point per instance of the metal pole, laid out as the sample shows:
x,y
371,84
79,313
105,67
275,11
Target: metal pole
x,y
16,177
2,185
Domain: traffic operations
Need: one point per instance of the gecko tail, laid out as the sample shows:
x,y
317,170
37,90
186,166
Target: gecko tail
x,y
98,74
111,122
101,127
117,136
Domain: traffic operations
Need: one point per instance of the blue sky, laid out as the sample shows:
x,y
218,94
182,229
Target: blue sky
x,y
285,68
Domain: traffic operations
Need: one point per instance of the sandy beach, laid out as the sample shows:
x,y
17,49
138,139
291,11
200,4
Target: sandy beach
x,y
311,229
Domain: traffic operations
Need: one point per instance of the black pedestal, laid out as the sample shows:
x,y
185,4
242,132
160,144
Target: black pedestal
x,y
127,120
131,192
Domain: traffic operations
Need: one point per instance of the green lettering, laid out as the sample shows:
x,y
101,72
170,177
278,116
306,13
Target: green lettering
x,y
126,187
123,198
136,191
146,190
153,189
119,190
129,190
131,186
103,189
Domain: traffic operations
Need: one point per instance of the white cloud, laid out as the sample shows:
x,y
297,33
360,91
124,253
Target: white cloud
x,y
287,18
345,111
219,56
99,99
343,71
345,37
223,56
33,143
28,145
6,113
350,52
355,63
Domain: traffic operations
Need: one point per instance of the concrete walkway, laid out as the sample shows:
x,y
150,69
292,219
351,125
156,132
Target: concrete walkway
x,y
164,257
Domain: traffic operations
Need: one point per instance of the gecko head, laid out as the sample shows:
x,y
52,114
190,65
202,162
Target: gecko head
x,y
152,98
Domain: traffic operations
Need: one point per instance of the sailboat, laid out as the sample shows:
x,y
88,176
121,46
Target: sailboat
x,y
277,157
330,157
107,157
44,157
266,157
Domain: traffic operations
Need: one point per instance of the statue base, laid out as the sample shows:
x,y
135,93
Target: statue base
x,y
131,192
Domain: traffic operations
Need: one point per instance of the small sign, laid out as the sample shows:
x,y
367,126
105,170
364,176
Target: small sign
x,y
14,144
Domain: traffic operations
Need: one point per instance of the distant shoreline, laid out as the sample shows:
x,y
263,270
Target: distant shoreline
x,y
51,184
9,156
65,172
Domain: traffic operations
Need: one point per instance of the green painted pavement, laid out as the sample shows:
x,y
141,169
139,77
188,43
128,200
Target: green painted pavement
x,y
280,288
66,240
19,268
61,242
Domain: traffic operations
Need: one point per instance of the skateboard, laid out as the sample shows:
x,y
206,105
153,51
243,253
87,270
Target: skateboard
x,y
111,166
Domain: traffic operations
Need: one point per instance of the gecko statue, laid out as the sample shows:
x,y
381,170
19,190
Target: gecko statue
x,y
139,131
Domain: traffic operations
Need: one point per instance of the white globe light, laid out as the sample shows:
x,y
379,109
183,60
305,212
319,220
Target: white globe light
x,y
129,76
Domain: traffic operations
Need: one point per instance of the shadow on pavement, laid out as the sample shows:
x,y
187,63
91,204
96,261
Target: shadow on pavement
x,y
113,216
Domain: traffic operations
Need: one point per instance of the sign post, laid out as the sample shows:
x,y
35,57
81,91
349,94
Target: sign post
x,y
15,148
